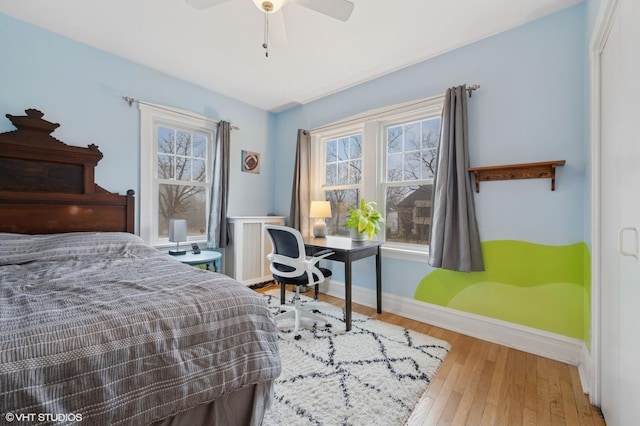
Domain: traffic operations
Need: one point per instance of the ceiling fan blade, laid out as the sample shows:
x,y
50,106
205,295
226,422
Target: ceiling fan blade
x,y
277,29
205,4
338,9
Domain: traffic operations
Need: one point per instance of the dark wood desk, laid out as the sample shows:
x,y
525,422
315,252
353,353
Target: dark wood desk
x,y
346,251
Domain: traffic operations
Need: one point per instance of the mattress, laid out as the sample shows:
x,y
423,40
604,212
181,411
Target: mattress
x,y
105,327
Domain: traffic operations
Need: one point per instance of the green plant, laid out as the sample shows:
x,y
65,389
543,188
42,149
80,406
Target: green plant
x,y
364,218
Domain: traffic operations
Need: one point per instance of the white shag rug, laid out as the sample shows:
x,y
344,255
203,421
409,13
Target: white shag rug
x,y
372,375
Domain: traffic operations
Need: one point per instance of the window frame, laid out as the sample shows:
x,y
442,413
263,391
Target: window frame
x,y
373,125
318,168
151,117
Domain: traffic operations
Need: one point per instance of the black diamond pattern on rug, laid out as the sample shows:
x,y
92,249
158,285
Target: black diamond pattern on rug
x,y
372,375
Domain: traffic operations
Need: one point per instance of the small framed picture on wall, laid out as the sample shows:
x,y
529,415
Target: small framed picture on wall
x,y
250,162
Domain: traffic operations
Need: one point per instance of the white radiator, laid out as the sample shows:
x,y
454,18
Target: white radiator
x,y
246,256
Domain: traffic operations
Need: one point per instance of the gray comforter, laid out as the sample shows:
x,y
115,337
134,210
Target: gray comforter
x,y
103,326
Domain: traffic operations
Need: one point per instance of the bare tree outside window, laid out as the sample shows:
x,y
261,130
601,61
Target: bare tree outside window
x,y
387,155
182,175
343,178
341,200
410,166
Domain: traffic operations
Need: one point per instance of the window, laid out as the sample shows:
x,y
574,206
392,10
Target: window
x,y
410,154
343,178
175,172
384,157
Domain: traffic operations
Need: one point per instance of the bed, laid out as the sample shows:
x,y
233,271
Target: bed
x,y
95,325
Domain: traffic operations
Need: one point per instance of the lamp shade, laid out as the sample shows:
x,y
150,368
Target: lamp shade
x,y
177,230
320,209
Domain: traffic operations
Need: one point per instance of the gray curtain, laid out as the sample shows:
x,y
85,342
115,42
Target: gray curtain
x,y
300,204
455,240
218,229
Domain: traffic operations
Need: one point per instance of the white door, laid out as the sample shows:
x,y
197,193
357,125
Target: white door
x,y
620,208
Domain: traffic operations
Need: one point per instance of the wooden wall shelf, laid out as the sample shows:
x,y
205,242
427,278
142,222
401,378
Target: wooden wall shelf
x,y
545,169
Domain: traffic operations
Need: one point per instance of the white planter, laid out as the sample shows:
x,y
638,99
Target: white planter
x,y
357,236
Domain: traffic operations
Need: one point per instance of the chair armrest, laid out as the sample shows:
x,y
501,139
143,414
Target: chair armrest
x,y
284,260
319,256
322,253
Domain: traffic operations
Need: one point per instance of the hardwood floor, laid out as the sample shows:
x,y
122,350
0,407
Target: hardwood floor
x,y
482,383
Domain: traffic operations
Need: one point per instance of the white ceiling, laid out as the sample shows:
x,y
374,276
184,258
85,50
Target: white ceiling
x,y
221,48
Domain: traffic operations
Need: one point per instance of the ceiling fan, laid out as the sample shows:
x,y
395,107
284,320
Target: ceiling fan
x,y
337,9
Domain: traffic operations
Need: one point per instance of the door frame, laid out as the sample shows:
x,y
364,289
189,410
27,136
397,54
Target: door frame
x,y
601,31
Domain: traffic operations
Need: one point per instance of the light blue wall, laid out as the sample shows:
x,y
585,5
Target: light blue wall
x,y
81,88
531,107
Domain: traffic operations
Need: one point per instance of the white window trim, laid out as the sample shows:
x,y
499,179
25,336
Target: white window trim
x,y
413,253
150,115
371,124
317,167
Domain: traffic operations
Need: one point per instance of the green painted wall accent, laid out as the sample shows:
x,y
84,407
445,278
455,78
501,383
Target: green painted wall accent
x,y
536,285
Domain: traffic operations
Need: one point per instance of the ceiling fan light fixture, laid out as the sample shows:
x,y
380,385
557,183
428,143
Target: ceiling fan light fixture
x,y
269,6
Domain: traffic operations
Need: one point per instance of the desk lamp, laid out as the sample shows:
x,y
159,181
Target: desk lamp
x,y
320,210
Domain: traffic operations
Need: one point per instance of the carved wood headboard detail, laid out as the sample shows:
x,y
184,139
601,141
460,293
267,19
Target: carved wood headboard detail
x,y
47,186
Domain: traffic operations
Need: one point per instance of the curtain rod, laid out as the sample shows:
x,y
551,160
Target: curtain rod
x,y
470,90
131,100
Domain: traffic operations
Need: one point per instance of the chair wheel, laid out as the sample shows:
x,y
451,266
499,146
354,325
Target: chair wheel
x,y
298,337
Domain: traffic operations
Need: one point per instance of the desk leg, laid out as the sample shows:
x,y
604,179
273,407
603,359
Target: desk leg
x,y
347,293
379,280
283,290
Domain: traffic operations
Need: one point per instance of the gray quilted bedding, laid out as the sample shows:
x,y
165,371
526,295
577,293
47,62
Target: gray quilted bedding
x,y
102,325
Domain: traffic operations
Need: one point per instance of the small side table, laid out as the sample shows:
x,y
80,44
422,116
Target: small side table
x,y
210,258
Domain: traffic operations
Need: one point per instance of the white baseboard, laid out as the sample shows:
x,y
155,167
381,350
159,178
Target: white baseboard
x,y
527,339
585,369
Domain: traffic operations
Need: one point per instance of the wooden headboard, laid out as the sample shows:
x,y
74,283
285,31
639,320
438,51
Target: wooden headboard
x,y
48,187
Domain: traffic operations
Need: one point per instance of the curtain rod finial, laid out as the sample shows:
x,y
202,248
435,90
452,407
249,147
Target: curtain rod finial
x,y
471,89
129,100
